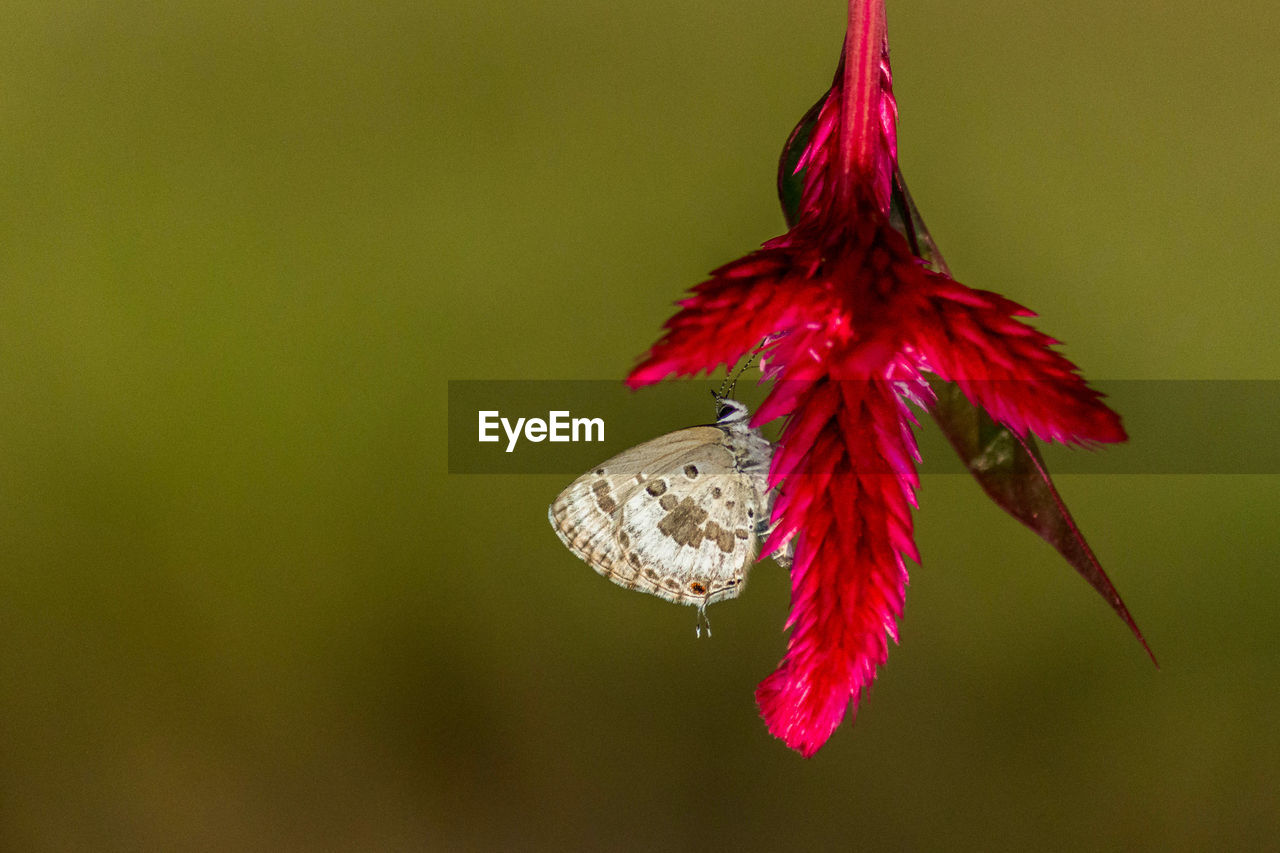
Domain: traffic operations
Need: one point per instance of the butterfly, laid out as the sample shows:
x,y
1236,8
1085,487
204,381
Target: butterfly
x,y
678,516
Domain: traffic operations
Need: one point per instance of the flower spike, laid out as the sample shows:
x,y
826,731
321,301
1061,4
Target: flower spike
x,y
856,313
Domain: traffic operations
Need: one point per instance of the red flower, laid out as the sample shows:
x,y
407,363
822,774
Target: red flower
x,y
852,322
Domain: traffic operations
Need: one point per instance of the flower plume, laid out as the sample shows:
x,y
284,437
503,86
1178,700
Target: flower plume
x,y
852,323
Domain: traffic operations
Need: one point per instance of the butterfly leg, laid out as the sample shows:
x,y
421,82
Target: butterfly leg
x,y
784,554
702,620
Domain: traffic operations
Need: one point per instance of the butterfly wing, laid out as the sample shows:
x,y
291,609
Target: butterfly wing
x,y
691,529
672,517
587,516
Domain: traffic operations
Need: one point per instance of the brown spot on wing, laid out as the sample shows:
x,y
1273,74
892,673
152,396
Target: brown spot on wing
x,y
603,499
669,502
691,471
656,488
682,522
723,538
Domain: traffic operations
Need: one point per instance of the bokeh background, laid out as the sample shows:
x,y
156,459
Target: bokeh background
x,y
243,604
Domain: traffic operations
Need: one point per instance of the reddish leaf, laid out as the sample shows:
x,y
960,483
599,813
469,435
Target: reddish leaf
x,y
1008,467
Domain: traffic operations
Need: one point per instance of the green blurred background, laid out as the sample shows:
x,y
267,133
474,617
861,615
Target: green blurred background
x,y
242,604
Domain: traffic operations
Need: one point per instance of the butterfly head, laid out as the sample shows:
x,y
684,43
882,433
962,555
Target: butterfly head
x,y
730,411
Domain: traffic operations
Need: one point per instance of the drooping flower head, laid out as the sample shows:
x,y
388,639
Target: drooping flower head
x,y
853,322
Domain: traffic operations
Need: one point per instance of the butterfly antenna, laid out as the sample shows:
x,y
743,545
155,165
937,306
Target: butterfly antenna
x,y
731,382
724,387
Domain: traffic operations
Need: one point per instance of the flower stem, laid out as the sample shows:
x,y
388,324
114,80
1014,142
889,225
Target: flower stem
x,y
866,62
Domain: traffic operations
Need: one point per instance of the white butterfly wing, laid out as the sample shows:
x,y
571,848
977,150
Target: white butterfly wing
x,y
587,515
691,529
671,517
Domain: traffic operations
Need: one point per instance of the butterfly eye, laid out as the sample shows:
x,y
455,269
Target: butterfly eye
x,y
728,410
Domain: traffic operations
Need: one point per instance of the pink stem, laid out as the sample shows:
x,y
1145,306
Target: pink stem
x,y
865,50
